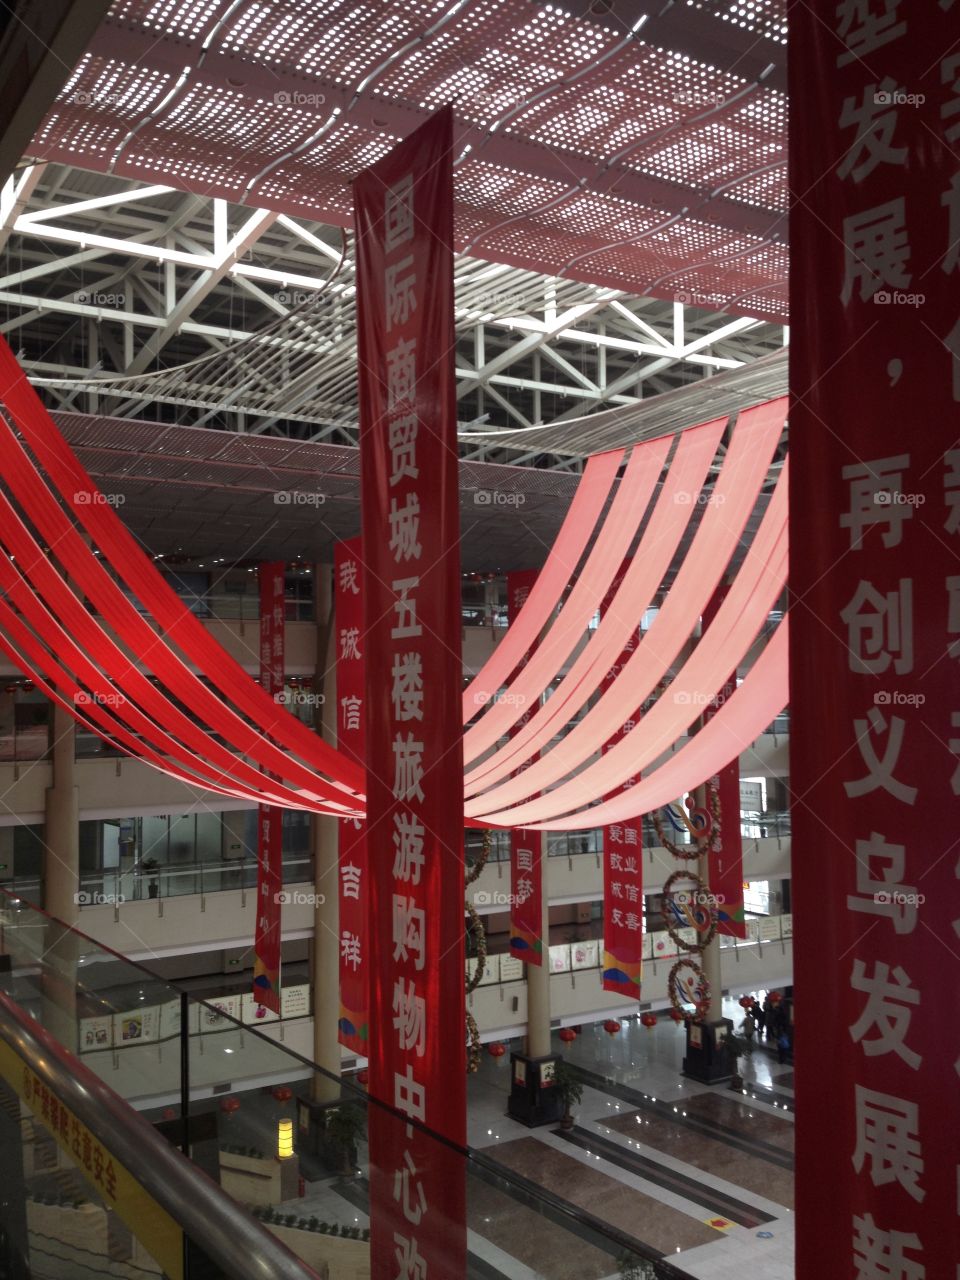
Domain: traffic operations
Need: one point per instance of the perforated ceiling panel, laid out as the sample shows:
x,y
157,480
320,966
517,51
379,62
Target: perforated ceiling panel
x,y
615,157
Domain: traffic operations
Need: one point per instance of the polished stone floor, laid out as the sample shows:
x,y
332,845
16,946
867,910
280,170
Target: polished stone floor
x,y
697,1175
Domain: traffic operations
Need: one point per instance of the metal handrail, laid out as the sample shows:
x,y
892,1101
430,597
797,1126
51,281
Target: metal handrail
x,y
228,1236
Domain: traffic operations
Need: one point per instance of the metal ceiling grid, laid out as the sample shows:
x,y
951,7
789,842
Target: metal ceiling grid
x,y
579,138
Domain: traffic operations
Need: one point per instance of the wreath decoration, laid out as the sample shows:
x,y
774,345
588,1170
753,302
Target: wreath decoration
x,y
697,915
480,936
700,999
473,1045
687,853
477,869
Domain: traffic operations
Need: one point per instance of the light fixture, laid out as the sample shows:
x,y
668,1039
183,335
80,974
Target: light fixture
x,y
284,1139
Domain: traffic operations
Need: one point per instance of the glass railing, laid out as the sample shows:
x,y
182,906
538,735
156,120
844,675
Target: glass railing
x,y
285,1140
115,886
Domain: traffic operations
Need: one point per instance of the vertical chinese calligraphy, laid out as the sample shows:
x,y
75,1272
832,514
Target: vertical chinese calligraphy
x,y
266,972
352,853
875,694
411,647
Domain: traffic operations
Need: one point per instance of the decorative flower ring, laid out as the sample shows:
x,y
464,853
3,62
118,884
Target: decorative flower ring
x,y
694,989
473,1044
479,933
688,908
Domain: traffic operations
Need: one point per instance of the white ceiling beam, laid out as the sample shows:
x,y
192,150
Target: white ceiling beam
x,y
98,202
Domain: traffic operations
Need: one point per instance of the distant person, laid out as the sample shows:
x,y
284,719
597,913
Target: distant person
x,y
783,1046
759,1017
768,1015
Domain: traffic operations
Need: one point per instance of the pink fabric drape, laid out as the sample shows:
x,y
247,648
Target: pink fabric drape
x,y
565,555
589,587
688,469
732,500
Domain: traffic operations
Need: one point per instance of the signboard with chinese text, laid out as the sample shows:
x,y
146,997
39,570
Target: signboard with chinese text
x,y
526,846
875,634
266,970
411,595
119,1189
352,849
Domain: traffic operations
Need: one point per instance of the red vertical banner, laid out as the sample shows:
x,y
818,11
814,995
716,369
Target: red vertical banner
x,y
411,597
622,861
266,946
352,853
726,850
875,635
526,847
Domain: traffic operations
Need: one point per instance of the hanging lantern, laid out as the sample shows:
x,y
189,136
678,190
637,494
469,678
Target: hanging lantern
x,y
230,1105
676,1014
612,1026
745,1002
775,997
567,1035
648,1020
169,1113
496,1049
363,1076
282,1093
284,1139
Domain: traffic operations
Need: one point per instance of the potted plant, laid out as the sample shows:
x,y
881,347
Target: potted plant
x,y
345,1125
569,1091
739,1046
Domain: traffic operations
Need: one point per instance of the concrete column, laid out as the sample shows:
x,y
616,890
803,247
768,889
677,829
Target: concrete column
x,y
538,975
61,855
325,947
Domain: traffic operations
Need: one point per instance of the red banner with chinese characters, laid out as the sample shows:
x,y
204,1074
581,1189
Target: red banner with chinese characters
x,y
875,635
411,597
726,852
352,853
622,861
526,847
266,946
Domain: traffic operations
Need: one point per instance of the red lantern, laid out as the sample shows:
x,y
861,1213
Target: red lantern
x,y
169,1113
775,997
363,1076
282,1093
745,1002
567,1035
677,1015
647,1019
496,1049
230,1105
612,1026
